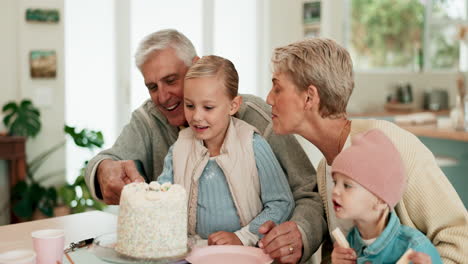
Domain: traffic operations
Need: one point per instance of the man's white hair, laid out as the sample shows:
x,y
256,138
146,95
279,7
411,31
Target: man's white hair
x,y
161,40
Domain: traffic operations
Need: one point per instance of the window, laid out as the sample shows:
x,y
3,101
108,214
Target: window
x,y
407,34
235,37
89,75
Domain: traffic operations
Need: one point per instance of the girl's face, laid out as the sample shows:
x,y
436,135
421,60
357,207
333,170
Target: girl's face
x,y
351,200
287,104
208,109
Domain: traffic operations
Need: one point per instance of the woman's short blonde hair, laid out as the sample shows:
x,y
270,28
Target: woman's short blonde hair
x,y
322,63
219,67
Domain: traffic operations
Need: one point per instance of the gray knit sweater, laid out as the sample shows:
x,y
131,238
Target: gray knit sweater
x,y
148,137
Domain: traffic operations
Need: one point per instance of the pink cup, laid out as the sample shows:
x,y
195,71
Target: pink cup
x,y
20,256
49,245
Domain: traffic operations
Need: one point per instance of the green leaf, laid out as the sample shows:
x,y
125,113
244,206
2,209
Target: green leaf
x,y
36,192
80,207
24,208
20,188
24,199
22,119
67,194
85,138
80,180
48,201
99,205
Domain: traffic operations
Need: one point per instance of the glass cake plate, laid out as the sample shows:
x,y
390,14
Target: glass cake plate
x,y
103,248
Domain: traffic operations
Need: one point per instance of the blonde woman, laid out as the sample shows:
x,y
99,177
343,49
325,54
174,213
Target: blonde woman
x,y
312,83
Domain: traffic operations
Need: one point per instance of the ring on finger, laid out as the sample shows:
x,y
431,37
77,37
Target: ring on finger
x,y
291,249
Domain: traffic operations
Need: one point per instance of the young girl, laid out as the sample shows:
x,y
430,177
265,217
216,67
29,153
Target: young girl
x,y
369,180
231,175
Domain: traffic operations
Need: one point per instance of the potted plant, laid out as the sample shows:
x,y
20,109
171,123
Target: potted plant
x,y
77,197
22,119
30,196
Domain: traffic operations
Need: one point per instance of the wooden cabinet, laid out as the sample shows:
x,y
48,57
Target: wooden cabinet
x,y
13,150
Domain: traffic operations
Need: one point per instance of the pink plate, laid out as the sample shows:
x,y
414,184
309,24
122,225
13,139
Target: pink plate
x,y
228,255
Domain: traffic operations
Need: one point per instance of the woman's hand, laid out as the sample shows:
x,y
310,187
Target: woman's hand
x,y
223,238
419,258
342,255
282,242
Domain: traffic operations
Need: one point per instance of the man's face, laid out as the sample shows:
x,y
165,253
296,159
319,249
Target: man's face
x,y
164,75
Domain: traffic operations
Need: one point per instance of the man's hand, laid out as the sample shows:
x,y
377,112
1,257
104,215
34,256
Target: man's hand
x,y
342,255
223,238
419,258
283,242
113,175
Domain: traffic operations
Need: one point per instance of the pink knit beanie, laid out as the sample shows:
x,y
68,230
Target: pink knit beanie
x,y
374,162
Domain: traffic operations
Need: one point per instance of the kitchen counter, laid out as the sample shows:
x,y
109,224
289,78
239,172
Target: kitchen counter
x,y
431,130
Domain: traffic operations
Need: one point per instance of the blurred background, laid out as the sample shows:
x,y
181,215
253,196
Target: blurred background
x,y
409,56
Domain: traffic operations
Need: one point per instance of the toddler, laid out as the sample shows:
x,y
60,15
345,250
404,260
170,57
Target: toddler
x,y
369,180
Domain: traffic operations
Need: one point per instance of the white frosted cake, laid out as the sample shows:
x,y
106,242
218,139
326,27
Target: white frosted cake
x,y
152,221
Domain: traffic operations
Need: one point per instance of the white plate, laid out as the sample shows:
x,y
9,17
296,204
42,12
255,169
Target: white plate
x,y
103,248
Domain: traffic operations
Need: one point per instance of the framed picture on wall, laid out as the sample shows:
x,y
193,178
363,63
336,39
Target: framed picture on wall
x,y
311,12
43,64
38,15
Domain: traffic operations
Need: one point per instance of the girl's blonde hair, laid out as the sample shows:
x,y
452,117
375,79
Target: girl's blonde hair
x,y
219,67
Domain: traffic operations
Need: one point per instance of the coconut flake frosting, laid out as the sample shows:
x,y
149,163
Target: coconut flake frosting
x,y
152,220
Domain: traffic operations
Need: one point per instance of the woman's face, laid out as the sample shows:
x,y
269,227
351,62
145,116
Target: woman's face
x,y
288,104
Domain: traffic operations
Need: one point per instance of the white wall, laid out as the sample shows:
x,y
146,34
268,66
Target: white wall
x,y
91,81
235,37
8,51
18,38
281,23
370,90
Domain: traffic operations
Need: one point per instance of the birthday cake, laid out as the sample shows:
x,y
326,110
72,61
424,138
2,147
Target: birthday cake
x,y
152,221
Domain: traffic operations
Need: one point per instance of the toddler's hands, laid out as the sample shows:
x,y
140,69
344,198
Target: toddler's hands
x,y
343,255
419,258
223,238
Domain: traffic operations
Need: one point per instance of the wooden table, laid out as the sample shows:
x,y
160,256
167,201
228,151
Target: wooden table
x,y
77,227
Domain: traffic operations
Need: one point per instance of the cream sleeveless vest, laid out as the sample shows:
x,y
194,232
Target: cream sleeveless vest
x,y
236,160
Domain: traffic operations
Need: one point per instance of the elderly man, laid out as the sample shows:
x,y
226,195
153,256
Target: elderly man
x,y
164,58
